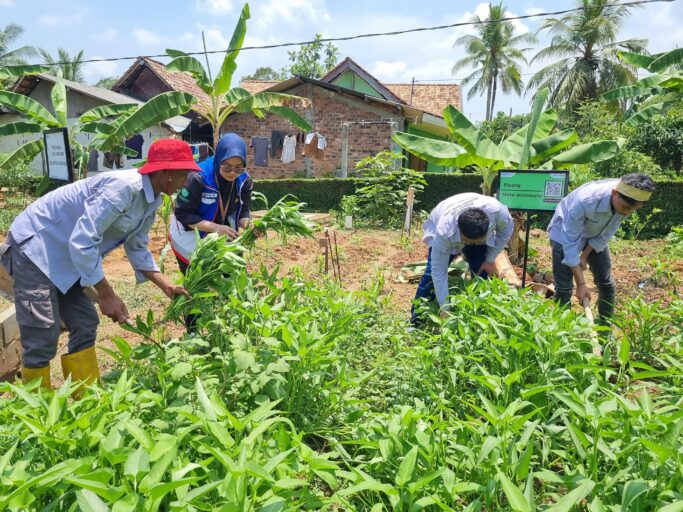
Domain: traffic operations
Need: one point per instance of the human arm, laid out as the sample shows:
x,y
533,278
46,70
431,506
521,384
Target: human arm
x,y
170,289
440,256
504,228
188,202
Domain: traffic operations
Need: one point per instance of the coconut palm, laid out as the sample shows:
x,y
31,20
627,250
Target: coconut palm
x,y
8,37
583,48
71,67
495,54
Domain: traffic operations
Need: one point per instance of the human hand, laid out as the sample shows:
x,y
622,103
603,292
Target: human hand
x,y
582,292
173,291
112,306
583,262
489,267
227,230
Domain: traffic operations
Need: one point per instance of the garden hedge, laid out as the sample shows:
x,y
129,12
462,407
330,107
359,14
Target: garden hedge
x,y
325,194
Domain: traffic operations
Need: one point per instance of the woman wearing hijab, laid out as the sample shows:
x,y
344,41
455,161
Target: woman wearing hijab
x,y
214,200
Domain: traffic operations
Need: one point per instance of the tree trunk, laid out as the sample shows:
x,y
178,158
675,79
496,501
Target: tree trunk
x,y
493,95
516,243
488,101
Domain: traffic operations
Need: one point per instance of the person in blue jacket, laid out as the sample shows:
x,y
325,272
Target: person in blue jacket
x,y
214,200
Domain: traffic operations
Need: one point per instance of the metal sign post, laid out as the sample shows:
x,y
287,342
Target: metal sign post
x,y
58,155
531,190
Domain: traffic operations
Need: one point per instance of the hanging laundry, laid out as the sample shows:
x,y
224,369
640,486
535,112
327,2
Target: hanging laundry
x,y
92,161
277,138
261,146
135,143
314,146
113,160
289,149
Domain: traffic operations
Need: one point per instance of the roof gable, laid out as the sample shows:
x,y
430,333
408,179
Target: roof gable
x,y
432,98
349,65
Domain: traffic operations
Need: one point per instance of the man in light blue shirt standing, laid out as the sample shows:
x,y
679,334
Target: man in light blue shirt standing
x,y
580,230
54,250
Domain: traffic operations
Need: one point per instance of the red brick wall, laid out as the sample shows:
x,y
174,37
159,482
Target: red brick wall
x,y
327,115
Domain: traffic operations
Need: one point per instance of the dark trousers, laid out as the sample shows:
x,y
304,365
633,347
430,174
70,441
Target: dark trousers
x,y
190,320
474,256
601,267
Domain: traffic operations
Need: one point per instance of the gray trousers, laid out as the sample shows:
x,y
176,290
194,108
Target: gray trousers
x,y
41,308
601,267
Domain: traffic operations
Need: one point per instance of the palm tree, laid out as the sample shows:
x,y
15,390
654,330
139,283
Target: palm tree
x,y
15,57
583,48
495,55
106,82
71,67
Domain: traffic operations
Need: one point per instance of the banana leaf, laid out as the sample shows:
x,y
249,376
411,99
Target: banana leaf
x,y
435,151
25,153
511,148
640,88
189,64
21,70
638,60
58,96
97,113
292,116
156,110
97,127
588,153
539,101
224,78
669,59
28,107
644,114
472,140
552,144
19,127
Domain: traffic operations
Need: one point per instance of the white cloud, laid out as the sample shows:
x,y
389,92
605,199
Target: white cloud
x,y
292,12
6,3
109,35
387,71
147,37
54,20
215,7
533,11
96,70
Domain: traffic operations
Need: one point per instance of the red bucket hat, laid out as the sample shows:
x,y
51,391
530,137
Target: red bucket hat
x,y
169,155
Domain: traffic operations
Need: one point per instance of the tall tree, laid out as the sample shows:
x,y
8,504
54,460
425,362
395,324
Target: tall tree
x,y
106,82
495,54
71,67
266,73
313,60
583,48
16,56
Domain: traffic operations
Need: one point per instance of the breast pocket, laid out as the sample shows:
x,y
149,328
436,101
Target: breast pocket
x,y
34,308
123,223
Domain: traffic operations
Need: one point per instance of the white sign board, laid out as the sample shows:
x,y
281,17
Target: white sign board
x,y
59,165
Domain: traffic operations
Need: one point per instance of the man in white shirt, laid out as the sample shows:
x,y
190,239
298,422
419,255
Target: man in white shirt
x,y
580,231
475,225
55,248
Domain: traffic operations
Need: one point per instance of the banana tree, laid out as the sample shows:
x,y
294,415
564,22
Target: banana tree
x,y
110,125
534,146
224,100
655,92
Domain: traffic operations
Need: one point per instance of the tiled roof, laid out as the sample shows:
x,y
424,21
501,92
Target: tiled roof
x,y
254,86
27,83
178,81
431,98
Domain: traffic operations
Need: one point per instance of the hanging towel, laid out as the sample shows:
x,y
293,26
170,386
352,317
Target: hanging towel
x,y
289,149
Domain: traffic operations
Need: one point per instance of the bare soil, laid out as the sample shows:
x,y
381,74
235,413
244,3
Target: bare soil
x,y
363,256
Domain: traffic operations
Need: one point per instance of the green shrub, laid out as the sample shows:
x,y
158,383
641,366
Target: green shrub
x,y
661,138
626,161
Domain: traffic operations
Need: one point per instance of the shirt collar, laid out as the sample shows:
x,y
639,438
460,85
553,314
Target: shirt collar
x,y
604,203
147,188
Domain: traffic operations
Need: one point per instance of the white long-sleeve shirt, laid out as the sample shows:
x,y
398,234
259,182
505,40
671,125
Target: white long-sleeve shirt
x,y
70,230
442,235
585,216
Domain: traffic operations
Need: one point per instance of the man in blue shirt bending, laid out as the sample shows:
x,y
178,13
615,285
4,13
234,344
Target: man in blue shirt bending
x,y
55,247
580,230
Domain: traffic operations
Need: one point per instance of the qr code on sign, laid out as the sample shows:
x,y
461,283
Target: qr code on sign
x,y
553,189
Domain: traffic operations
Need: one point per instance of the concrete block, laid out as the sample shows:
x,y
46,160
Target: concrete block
x,y
10,361
10,328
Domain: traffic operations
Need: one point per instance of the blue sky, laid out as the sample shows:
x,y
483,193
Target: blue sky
x,y
129,28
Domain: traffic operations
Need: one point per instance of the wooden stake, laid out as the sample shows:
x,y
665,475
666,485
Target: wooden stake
x,y
597,350
336,251
323,243
410,198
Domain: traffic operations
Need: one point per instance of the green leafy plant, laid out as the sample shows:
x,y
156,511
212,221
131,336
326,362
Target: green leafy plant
x,y
633,226
224,100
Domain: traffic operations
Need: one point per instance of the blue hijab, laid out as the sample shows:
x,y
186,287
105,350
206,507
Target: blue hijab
x,y
228,146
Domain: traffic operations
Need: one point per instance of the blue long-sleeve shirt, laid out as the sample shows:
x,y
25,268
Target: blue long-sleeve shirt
x,y
69,231
585,217
442,234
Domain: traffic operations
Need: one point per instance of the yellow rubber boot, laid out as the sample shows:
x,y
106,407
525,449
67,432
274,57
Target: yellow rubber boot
x,y
29,374
82,367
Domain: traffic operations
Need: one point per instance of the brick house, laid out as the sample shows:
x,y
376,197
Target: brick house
x,y
355,113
